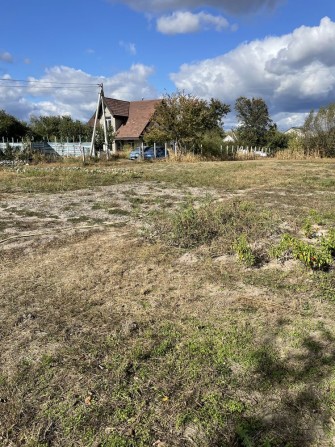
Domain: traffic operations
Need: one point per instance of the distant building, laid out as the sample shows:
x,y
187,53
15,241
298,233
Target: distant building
x,y
129,119
228,139
294,131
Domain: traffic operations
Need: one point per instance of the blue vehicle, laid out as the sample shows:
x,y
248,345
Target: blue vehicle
x,y
136,153
149,153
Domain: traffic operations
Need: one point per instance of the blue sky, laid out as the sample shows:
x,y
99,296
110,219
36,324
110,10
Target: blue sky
x,y
281,50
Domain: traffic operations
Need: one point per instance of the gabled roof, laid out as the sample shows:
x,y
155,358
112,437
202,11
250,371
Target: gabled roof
x,y
117,107
140,113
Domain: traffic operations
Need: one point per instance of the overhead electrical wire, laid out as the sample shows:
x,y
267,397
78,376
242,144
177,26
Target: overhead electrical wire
x,y
50,82
51,87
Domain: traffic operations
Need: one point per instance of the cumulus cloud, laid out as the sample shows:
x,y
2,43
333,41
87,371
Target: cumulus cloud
x,y
181,22
67,91
231,6
293,72
6,57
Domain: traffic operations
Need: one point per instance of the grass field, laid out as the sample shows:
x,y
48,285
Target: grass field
x,y
168,304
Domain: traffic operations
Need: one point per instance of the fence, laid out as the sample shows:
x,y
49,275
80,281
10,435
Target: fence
x,y
241,150
75,149
54,149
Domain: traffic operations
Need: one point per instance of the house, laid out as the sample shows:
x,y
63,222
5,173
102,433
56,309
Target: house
x,y
296,131
229,139
129,119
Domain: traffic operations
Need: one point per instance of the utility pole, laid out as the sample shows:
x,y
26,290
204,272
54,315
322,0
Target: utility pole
x,y
102,104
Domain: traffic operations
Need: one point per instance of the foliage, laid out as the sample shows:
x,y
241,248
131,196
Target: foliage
x,y
10,127
100,138
185,119
317,257
210,223
254,119
276,140
212,144
319,131
244,251
9,152
60,127
328,242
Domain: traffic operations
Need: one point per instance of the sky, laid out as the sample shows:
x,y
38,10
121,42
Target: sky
x,y
54,53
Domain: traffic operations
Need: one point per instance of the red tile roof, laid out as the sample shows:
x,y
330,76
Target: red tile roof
x,y
140,113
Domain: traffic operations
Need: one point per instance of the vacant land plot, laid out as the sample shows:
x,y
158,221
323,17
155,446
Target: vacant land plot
x,y
168,305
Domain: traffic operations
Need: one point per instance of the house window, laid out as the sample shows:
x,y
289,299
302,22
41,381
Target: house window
x,y
109,122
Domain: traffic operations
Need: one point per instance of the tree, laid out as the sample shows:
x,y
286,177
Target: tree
x,y
254,119
59,127
319,131
276,140
100,137
10,127
185,119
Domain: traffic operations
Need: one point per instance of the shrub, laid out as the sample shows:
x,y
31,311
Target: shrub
x,y
244,251
317,257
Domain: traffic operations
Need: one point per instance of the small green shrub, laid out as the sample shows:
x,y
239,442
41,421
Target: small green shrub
x,y
308,229
328,242
244,251
317,257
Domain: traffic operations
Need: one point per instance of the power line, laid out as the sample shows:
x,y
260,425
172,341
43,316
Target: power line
x,y
49,82
47,88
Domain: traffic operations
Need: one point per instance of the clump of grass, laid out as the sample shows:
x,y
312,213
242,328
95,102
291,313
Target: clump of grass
x,y
118,211
185,158
193,225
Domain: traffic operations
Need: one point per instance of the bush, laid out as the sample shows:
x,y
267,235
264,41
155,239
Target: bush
x,y
317,257
244,251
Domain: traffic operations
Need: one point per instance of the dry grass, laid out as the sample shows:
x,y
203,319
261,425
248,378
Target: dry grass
x,y
117,337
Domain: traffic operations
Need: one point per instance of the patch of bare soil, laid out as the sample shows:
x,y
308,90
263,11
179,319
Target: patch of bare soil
x,y
30,220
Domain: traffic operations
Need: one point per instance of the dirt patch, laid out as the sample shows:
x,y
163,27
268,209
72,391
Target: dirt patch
x,y
41,218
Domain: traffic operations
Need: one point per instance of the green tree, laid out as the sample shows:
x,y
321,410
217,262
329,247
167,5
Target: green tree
x,y
185,119
10,127
100,137
59,127
318,131
254,121
276,140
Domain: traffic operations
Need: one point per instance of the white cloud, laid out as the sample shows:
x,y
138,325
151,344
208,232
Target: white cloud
x,y
6,57
181,22
66,91
231,6
293,72
128,46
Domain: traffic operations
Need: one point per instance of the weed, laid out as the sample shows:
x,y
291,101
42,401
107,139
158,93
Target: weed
x,y
328,242
193,225
244,251
118,211
317,257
